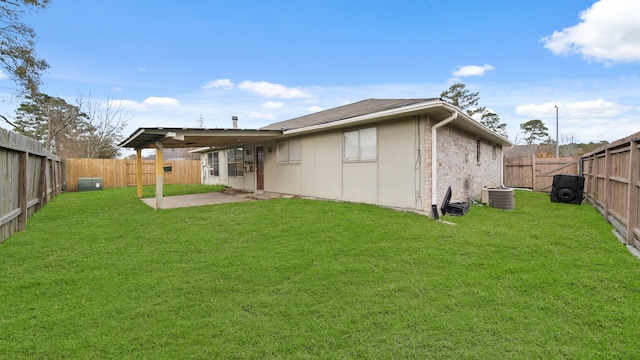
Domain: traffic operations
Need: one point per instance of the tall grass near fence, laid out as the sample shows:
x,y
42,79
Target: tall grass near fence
x,y
101,275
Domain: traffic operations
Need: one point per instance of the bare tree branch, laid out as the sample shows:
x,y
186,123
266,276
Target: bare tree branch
x,y
10,123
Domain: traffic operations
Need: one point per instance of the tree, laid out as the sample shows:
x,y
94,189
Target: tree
x,y
107,120
534,130
91,129
459,96
50,120
568,145
17,45
492,121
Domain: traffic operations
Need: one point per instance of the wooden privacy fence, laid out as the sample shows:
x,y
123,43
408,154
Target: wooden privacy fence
x,y
537,173
612,185
30,176
117,173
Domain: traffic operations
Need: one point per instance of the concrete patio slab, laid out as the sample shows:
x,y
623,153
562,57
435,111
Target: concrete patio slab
x,y
170,202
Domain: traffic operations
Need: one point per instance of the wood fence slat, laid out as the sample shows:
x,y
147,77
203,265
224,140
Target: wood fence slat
x,y
116,173
633,196
537,173
22,190
27,180
613,185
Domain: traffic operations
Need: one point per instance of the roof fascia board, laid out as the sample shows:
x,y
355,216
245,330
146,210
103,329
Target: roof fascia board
x,y
224,132
180,133
132,137
371,116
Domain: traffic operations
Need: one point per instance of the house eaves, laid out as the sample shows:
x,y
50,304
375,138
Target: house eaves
x,y
435,108
357,114
195,137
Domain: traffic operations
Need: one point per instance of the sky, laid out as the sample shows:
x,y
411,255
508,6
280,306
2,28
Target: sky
x,y
176,64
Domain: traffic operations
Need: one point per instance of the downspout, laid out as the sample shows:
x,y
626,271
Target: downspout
x,y
434,162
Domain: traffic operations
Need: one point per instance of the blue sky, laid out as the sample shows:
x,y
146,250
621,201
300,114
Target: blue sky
x,y
171,62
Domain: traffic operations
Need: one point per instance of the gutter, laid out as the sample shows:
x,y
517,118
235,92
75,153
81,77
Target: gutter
x,y
434,161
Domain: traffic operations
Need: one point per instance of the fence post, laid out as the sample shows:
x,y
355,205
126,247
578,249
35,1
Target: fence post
x,y
607,185
52,177
634,189
22,190
533,172
63,175
42,183
598,187
590,178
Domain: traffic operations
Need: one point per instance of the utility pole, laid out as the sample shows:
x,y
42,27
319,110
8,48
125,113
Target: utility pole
x,y
557,143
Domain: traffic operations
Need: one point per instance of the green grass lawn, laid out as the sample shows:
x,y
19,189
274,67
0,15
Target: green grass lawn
x,y
181,189
102,275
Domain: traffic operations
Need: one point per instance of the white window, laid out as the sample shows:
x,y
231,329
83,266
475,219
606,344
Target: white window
x,y
235,159
361,145
214,163
289,152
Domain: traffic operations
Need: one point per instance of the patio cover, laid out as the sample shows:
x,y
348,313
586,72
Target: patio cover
x,y
160,138
194,137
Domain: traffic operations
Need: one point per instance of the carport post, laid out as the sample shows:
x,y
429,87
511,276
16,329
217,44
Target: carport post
x,y
159,173
139,172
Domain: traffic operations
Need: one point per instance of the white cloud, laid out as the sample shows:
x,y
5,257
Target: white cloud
x,y
574,111
148,104
591,120
591,110
609,32
220,83
273,90
3,75
472,70
272,105
141,69
161,101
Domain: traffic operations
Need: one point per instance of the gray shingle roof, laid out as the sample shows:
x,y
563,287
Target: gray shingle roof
x,y
363,107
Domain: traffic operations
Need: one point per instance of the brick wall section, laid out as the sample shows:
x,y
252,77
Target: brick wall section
x,y
458,166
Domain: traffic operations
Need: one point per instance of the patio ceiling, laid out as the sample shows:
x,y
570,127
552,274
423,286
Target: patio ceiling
x,y
195,137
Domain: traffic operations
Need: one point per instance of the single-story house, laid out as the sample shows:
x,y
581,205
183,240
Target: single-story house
x,y
398,153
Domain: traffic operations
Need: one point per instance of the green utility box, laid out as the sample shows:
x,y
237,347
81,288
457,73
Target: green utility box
x,y
89,184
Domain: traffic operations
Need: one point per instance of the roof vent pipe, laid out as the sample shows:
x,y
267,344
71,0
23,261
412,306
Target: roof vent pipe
x,y
235,121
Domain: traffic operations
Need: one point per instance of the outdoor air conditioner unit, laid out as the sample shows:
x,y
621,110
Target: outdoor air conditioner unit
x,y
89,184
